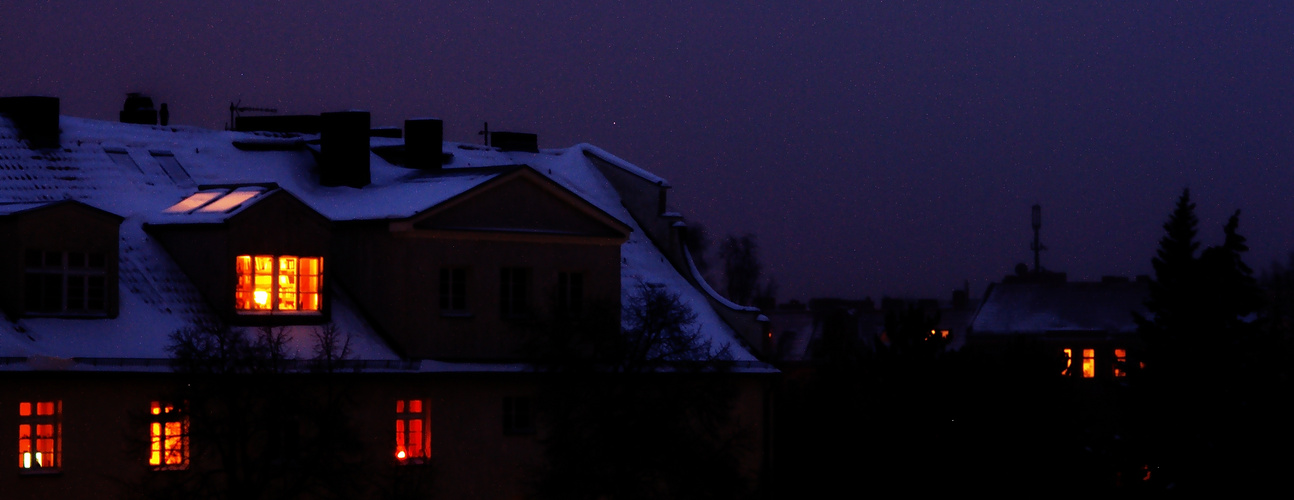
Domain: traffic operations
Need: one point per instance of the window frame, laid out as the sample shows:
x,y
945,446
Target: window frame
x,y
168,436
452,297
1089,363
39,273
515,285
32,416
407,412
570,293
247,268
518,415
1120,366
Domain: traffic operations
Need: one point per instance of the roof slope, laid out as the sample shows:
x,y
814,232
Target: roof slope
x,y
1035,308
138,172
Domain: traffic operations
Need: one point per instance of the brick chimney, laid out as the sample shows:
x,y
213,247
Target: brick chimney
x,y
36,118
343,149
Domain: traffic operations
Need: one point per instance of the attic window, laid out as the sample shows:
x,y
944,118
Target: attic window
x,y
278,284
194,201
213,201
232,200
65,283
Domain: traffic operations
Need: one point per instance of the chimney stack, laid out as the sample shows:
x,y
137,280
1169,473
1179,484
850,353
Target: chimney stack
x,y
344,149
423,139
36,118
138,109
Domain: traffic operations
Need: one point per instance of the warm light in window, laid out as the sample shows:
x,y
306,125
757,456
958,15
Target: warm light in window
x,y
1120,357
1069,361
412,431
1089,363
169,437
285,283
38,435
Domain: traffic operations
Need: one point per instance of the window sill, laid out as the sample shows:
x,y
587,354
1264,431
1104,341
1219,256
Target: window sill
x,y
42,471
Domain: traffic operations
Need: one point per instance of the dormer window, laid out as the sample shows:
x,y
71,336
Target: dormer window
x,y
278,284
65,283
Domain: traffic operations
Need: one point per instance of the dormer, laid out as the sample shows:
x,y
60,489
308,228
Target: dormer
x,y
61,258
256,252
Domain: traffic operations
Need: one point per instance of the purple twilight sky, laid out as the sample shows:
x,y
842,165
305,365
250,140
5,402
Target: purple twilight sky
x,y
875,148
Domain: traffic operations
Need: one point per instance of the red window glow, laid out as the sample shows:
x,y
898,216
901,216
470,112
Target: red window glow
x,y
412,431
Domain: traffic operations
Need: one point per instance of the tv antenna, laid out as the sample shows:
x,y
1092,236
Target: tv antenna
x,y
237,107
1037,246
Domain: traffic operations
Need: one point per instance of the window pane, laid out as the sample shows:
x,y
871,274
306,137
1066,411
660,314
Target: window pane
x,y
415,406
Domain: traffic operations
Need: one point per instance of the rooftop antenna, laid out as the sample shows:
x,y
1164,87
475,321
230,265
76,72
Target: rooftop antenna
x,y
237,107
1037,246
485,132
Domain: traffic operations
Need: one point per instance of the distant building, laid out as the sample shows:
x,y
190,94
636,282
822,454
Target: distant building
x,y
1089,326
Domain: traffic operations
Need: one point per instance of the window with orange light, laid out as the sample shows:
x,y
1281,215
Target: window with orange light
x,y
1120,361
1069,361
169,437
278,284
40,435
1089,363
412,431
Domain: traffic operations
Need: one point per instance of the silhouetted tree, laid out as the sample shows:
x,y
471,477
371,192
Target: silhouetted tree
x,y
256,427
636,411
697,240
1208,370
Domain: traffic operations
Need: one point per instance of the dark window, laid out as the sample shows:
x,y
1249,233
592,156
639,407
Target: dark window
x,y
514,292
518,416
570,293
453,290
65,282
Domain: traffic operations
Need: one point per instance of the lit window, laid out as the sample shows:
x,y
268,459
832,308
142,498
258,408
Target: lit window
x,y
65,282
169,433
285,283
39,433
570,293
1069,361
514,292
412,431
1089,363
453,290
1120,360
518,416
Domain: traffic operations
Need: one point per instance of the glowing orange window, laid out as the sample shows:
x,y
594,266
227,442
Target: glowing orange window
x,y
169,437
284,283
1069,361
412,431
39,433
1120,360
1089,363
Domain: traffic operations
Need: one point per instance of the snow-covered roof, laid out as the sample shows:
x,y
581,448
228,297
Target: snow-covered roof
x,y
179,174
1059,308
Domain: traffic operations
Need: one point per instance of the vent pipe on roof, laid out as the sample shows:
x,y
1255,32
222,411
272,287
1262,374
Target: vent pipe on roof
x,y
138,109
344,149
423,139
36,118
515,141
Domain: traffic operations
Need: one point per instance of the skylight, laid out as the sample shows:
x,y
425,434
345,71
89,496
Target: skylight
x,y
232,200
194,201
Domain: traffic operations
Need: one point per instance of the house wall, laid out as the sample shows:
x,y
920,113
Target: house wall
x,y
396,280
105,432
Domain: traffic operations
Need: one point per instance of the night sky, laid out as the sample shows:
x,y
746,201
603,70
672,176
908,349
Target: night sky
x,y
875,148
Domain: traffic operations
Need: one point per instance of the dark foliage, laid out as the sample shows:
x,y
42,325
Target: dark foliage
x,y
635,412
741,267
260,427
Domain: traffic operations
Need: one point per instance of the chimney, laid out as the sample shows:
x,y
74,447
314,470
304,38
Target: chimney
x,y
343,149
36,118
515,141
423,138
138,109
